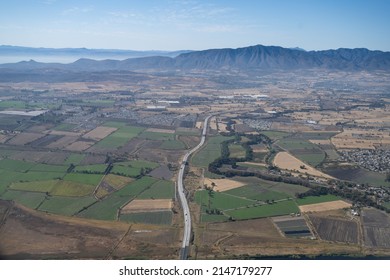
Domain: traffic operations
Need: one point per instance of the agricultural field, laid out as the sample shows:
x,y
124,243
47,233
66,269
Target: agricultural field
x,y
357,175
303,150
287,161
257,192
120,137
293,226
29,199
317,199
325,206
274,135
337,230
160,190
145,205
99,133
267,210
67,206
108,207
93,168
210,152
88,179
221,185
173,145
132,168
159,217
236,151
376,228
152,135
117,181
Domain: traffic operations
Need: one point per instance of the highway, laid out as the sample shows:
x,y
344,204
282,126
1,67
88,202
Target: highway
x,y
182,195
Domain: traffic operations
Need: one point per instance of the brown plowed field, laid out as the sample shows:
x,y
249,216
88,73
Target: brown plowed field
x,y
335,229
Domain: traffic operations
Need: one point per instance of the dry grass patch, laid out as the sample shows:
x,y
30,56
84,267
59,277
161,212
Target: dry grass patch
x,y
147,205
361,139
222,185
325,206
62,142
286,161
99,133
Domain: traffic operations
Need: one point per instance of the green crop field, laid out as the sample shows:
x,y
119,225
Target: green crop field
x,y
69,188
28,199
15,165
157,135
274,135
317,199
321,135
312,157
74,158
89,179
268,210
210,152
92,168
160,217
207,218
65,127
65,205
289,189
120,137
187,132
257,192
114,124
159,190
236,151
138,164
293,144
135,188
37,176
173,145
36,186
220,201
8,104
126,171
50,168
106,209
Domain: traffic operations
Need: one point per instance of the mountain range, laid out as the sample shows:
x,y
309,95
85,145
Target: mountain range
x,y
248,58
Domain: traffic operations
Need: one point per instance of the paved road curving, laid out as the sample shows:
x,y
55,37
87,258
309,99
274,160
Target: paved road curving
x,y
182,196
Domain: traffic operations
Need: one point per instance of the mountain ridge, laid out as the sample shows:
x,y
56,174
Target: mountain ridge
x,y
246,58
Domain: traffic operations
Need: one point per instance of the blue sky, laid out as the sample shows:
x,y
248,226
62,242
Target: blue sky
x,y
195,24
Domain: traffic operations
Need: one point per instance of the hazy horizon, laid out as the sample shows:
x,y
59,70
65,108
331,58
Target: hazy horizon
x,y
195,25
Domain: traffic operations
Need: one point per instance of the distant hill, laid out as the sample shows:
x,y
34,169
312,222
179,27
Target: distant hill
x,y
254,57
67,55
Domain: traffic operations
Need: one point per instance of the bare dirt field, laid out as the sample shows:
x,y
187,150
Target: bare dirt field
x,y
376,228
62,142
145,205
79,146
338,230
222,185
284,160
99,133
325,206
25,138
